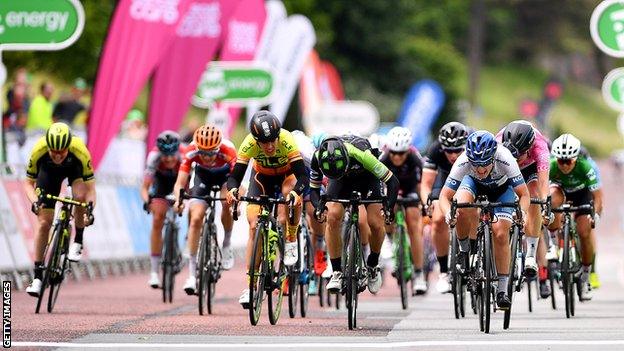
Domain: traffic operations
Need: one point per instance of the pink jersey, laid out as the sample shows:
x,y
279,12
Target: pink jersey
x,y
538,153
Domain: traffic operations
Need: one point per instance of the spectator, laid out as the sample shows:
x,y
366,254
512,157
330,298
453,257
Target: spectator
x,y
69,105
40,113
18,103
134,126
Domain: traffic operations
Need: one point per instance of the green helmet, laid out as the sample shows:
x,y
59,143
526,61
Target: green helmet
x,y
58,137
333,158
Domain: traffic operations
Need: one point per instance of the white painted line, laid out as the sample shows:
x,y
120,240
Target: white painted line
x,y
334,345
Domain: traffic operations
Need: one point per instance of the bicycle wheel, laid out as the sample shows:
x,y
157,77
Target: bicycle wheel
x,y
293,291
400,268
352,276
257,274
51,253
202,273
308,270
214,264
322,282
530,293
56,267
479,282
568,283
552,280
511,285
168,264
488,269
278,273
455,280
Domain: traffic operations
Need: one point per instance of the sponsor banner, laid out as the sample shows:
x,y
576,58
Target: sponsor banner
x,y
13,251
124,159
613,89
420,109
241,43
297,39
139,34
138,222
342,117
109,237
198,37
268,50
310,96
26,221
330,83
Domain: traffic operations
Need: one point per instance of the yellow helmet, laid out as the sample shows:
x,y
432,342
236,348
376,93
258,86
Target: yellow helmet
x,y
58,136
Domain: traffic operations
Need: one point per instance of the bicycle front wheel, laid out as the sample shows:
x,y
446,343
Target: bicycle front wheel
x,y
257,273
400,268
308,271
488,269
278,273
455,278
568,279
513,279
352,276
203,273
56,266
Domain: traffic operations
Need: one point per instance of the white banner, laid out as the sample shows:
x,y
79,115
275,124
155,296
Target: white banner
x,y
268,50
13,251
296,38
341,117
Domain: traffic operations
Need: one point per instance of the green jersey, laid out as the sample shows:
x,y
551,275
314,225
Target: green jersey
x,y
581,177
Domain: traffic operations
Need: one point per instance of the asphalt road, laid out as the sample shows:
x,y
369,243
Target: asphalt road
x,y
124,313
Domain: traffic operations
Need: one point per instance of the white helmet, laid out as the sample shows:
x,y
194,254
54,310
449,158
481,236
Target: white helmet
x,y
566,147
399,139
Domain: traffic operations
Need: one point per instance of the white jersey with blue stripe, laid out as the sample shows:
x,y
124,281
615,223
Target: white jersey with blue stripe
x,y
504,172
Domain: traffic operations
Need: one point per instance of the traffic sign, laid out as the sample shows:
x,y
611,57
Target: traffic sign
x,y
613,89
40,24
607,27
234,82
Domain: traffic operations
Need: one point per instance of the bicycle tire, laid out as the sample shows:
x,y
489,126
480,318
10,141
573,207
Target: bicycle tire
x,y
257,276
278,278
352,277
203,274
337,298
50,252
400,269
530,293
552,279
488,279
213,269
304,286
565,270
56,267
322,282
293,291
479,279
511,285
455,281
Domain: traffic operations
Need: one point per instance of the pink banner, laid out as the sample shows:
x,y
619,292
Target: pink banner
x,y
330,83
243,34
26,221
198,38
139,34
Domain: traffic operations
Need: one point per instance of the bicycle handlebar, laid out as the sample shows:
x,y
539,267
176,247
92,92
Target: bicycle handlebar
x,y
485,204
264,200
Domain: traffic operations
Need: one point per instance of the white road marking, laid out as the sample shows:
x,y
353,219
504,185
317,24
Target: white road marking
x,y
333,345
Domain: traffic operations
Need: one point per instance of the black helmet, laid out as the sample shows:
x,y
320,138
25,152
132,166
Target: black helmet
x,y
265,126
518,137
168,142
453,135
333,157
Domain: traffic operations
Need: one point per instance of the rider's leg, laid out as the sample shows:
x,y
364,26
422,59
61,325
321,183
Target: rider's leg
x,y
583,227
415,232
440,236
79,193
532,230
158,208
197,209
467,218
226,218
291,228
365,230
335,213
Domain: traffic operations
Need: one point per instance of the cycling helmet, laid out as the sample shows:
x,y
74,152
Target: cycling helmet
x,y
333,157
399,139
207,137
480,148
518,137
58,137
566,147
168,142
453,135
318,138
265,126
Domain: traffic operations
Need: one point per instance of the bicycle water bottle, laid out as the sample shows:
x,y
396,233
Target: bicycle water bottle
x,y
273,237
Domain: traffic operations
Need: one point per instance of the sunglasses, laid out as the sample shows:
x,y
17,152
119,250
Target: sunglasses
x,y
453,151
208,153
564,162
58,152
398,153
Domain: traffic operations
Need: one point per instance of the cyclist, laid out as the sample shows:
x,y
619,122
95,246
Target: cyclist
x,y
317,230
160,175
207,161
405,162
56,156
530,149
594,280
350,166
486,169
440,158
278,166
574,180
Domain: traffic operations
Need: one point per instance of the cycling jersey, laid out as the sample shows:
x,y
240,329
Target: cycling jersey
x,y
155,165
504,172
436,159
225,158
409,173
305,146
582,176
78,160
287,152
538,153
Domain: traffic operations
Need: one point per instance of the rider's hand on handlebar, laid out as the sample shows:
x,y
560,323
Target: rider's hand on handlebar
x,y
596,219
294,198
547,218
319,213
35,207
231,196
450,220
522,218
389,216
